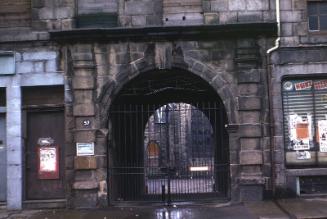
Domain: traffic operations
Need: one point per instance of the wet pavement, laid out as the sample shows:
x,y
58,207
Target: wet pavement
x,y
297,208
305,208
197,212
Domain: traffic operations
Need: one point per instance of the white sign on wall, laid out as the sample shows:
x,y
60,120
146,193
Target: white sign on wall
x,y
7,63
48,159
322,132
300,131
85,149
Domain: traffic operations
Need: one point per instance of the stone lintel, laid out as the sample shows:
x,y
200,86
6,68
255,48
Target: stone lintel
x,y
80,71
250,143
251,157
85,109
252,180
250,130
250,76
232,128
83,82
86,185
84,65
167,32
249,103
84,135
85,162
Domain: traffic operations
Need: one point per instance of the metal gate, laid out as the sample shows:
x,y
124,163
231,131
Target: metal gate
x,y
171,152
3,159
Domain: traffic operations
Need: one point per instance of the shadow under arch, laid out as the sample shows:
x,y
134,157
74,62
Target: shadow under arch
x,y
129,114
207,77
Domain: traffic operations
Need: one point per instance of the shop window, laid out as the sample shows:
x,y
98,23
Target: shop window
x,y
97,13
310,185
305,122
7,63
15,13
317,14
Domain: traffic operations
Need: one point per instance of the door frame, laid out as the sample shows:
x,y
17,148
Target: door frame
x,y
41,109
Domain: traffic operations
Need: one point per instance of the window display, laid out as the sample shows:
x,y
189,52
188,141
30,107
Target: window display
x,y
305,122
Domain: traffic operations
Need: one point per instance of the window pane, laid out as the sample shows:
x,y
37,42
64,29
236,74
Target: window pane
x,y
298,114
312,8
7,63
323,7
320,87
298,105
323,22
313,23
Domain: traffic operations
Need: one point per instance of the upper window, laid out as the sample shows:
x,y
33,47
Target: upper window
x,y
305,122
97,13
182,12
317,14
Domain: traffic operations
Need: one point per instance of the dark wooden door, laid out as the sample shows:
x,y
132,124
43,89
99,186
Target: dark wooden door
x,y
3,159
43,124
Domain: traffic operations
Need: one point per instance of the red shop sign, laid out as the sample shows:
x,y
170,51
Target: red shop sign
x,y
48,162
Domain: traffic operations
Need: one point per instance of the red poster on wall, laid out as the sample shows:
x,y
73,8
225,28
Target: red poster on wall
x,y
48,162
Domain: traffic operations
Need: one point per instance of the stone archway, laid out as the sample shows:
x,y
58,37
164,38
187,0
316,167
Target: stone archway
x,y
126,119
101,71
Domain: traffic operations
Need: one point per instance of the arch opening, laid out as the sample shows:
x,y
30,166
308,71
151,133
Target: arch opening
x,y
167,140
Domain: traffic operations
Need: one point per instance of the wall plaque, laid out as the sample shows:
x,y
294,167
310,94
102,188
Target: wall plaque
x,y
85,149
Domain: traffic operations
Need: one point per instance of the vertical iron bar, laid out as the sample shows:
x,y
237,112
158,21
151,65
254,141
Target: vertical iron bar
x,y
179,145
221,124
168,154
215,171
120,154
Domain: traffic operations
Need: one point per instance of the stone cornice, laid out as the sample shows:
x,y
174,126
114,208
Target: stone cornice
x,y
203,32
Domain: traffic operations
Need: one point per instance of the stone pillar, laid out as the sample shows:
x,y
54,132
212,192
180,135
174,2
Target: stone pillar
x,y
14,146
248,62
85,184
234,149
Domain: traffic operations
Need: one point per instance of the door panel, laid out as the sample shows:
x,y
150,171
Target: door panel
x,y
44,124
3,158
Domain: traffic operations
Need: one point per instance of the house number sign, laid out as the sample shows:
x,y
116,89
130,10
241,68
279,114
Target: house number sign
x,y
86,123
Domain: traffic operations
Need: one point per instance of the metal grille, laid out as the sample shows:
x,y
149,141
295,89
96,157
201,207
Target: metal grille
x,y
313,185
172,152
305,122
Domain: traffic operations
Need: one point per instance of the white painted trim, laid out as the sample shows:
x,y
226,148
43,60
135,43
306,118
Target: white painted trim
x,y
42,79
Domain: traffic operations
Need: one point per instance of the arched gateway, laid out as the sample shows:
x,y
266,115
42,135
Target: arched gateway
x,y
167,139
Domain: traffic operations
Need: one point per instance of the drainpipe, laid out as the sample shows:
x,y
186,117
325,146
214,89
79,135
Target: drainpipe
x,y
271,116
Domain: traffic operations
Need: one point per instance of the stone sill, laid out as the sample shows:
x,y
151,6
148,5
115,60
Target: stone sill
x,y
306,172
166,32
46,204
254,180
